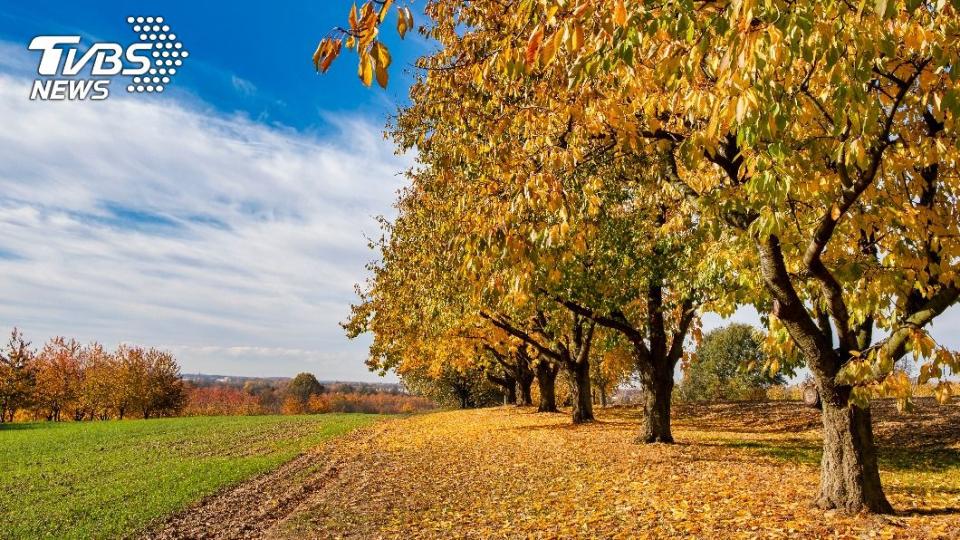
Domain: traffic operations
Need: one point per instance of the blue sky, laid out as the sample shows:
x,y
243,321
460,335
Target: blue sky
x,y
226,219
253,57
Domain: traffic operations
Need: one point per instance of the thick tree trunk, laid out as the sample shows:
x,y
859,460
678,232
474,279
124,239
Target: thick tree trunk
x,y
546,382
580,396
849,476
658,390
510,393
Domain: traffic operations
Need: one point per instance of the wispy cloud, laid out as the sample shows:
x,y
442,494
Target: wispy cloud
x,y
140,219
243,86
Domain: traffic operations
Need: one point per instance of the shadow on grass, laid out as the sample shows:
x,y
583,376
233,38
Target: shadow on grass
x,y
18,426
896,459
948,511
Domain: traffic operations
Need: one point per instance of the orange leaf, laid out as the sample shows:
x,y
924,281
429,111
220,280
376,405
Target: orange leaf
x,y
619,13
533,45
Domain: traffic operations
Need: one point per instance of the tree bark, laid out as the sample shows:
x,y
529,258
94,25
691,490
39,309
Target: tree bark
x,y
849,476
580,396
524,394
546,382
524,381
658,390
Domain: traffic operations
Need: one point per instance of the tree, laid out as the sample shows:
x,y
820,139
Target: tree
x,y
17,376
165,395
821,135
567,347
99,377
130,380
59,377
148,382
303,386
728,365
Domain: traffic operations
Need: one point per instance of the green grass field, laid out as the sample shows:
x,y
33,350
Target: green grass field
x,y
107,479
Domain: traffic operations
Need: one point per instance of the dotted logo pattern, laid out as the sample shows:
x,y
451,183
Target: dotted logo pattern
x,y
168,54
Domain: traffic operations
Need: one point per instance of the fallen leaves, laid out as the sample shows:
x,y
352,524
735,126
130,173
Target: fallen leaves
x,y
509,473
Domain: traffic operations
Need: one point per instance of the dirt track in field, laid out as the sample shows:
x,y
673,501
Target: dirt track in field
x,y
250,509
737,471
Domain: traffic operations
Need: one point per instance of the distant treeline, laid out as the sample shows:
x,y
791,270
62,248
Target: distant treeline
x,y
303,394
66,380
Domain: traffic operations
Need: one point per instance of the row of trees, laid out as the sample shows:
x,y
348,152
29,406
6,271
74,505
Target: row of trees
x,y
66,380
592,175
303,394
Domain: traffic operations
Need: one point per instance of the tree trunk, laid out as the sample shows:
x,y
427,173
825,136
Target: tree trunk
x,y
524,395
658,390
849,476
510,394
524,380
546,382
580,396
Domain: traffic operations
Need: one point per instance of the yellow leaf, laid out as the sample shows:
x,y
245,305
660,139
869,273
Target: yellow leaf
x,y
366,69
381,54
404,21
385,9
619,13
549,49
381,75
576,37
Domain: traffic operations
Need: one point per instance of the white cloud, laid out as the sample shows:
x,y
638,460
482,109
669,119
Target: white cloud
x,y
138,219
243,86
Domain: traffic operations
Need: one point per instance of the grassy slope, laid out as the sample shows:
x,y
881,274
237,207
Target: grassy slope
x,y
106,479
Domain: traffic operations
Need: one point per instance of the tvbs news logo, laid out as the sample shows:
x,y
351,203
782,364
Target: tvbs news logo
x,y
66,73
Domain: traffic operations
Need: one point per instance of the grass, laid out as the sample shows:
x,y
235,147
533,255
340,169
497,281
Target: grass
x,y
107,479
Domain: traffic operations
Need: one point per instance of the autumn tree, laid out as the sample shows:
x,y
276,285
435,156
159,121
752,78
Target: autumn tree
x,y
148,383
822,135
614,366
423,311
303,386
59,377
96,387
17,376
165,394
